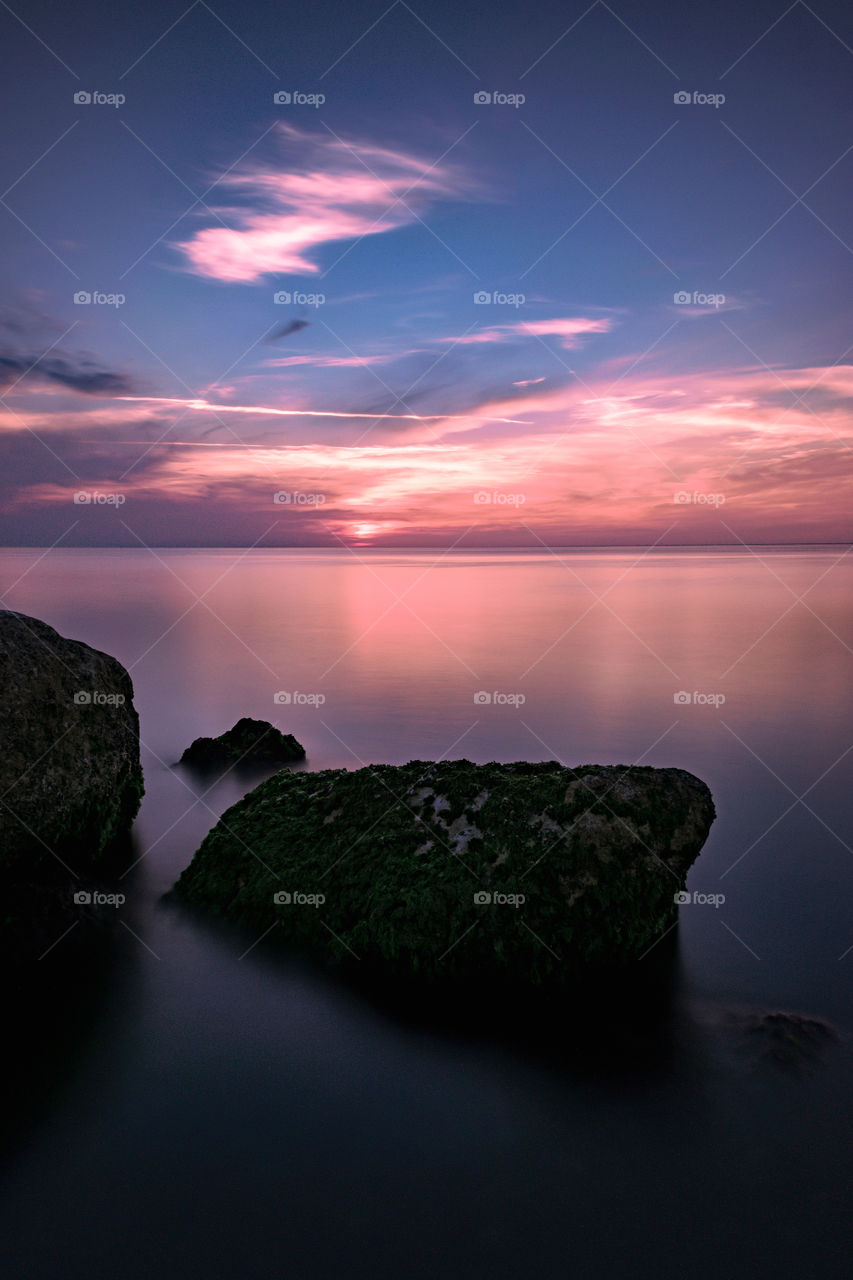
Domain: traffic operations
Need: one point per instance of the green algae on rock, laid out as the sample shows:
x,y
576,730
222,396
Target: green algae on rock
x,y
249,742
528,872
70,775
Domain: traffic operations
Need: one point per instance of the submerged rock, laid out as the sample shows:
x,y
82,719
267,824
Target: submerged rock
x,y
523,872
784,1039
249,742
70,776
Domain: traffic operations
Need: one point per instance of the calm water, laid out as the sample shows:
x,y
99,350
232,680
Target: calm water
x,y
227,1115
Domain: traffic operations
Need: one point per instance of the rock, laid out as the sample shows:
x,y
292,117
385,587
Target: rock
x,y
790,1040
249,742
70,776
522,872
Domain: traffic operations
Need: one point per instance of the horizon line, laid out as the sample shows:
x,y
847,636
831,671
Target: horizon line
x,y
421,546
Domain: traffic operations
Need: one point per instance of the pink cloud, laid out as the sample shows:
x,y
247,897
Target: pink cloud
x,y
325,190
329,362
569,329
601,460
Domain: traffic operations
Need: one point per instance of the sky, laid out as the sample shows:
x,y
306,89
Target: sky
x,y
402,275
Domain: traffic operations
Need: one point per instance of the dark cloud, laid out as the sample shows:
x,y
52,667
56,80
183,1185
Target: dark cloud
x,y
29,459
78,374
26,351
292,326
220,512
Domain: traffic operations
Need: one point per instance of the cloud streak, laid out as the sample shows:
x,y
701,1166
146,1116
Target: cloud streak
x,y
569,330
272,411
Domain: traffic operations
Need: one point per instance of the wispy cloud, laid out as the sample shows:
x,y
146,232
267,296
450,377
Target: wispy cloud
x,y
569,330
331,362
318,190
273,411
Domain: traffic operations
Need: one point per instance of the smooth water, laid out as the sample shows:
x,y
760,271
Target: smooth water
x,y
227,1114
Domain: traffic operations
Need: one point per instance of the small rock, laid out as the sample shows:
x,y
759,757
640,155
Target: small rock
x,y
249,742
788,1039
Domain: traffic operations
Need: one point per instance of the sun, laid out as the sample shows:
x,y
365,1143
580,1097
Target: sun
x,y
365,530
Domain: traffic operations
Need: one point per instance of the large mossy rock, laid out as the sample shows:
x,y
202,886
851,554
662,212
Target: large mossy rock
x,y
70,776
527,872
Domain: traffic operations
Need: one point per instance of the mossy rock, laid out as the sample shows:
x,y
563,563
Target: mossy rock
x,y
525,872
249,742
70,775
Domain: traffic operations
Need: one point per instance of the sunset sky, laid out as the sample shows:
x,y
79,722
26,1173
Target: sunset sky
x,y
481,335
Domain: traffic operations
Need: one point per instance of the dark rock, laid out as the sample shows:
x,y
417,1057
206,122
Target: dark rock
x,y
519,872
70,776
786,1039
249,742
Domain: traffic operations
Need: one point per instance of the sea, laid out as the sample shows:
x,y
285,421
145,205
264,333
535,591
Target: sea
x,y
219,1110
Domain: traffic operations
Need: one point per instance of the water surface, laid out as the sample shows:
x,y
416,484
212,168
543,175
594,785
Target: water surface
x,y
229,1114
